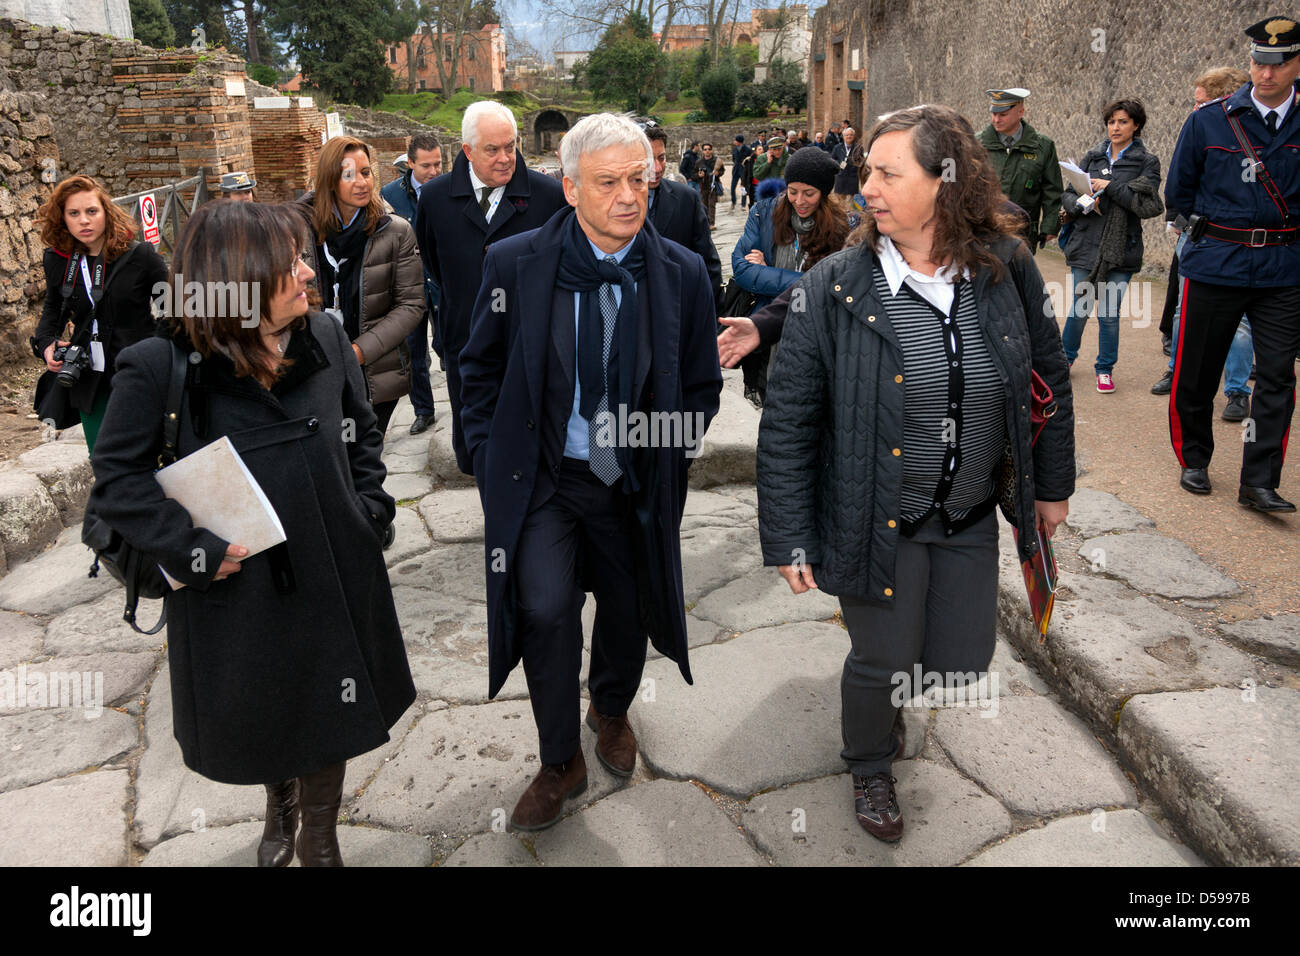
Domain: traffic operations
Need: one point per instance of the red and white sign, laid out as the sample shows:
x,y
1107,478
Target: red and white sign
x,y
149,218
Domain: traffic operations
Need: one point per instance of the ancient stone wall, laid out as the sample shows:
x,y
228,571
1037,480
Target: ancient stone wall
x,y
287,136
1074,57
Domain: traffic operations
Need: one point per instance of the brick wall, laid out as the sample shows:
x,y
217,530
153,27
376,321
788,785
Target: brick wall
x,y
286,135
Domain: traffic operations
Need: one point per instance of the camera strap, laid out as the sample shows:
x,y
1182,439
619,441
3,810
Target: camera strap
x,y
94,289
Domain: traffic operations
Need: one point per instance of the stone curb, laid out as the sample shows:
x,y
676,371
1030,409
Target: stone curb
x,y
42,492
1227,829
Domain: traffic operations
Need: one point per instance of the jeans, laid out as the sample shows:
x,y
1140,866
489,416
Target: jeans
x,y
1107,299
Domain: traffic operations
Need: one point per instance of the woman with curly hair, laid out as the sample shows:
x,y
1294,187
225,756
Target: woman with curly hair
x,y
895,404
98,284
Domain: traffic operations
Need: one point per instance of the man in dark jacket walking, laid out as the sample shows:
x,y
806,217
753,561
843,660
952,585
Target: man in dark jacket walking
x,y
677,213
423,163
1025,161
1242,254
739,153
488,195
584,331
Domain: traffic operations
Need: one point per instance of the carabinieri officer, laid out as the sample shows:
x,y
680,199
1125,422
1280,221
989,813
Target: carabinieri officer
x,y
1235,175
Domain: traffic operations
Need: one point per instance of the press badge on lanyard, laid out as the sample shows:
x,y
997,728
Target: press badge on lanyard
x,y
336,312
95,292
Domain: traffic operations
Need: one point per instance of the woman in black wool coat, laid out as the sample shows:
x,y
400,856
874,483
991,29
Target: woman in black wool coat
x,y
285,665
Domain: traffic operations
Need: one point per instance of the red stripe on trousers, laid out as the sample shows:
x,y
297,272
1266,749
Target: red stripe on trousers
x,y
1175,425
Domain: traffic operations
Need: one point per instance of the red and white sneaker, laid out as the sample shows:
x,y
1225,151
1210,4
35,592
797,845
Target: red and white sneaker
x,y
1104,384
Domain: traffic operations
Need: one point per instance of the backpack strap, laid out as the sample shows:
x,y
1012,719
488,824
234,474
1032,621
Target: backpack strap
x,y
172,411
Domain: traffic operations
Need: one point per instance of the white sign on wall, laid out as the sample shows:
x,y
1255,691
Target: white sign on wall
x,y
333,125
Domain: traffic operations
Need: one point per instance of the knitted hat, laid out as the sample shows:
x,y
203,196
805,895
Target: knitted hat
x,y
813,167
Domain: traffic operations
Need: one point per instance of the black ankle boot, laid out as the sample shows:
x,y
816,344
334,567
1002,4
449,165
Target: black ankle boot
x,y
276,848
320,794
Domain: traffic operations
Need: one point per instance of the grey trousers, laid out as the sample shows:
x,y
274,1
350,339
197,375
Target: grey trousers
x,y
943,615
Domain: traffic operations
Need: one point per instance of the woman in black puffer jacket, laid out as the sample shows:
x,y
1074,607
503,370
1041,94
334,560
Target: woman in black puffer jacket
x,y
890,407
1105,246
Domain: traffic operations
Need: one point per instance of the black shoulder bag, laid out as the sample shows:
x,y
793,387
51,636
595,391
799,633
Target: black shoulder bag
x,y
135,570
53,405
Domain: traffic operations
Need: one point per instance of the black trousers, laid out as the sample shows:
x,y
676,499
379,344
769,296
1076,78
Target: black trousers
x,y
580,538
1208,322
942,618
463,460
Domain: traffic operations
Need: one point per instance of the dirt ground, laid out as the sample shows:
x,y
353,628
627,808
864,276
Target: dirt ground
x,y
1123,447
19,429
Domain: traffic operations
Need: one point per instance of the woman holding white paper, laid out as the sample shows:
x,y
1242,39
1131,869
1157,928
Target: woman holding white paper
x,y
287,664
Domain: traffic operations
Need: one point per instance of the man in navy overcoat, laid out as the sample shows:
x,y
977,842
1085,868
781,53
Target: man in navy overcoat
x,y
589,377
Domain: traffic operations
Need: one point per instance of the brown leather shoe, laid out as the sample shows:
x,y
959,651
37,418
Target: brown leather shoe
x,y
876,806
615,742
543,801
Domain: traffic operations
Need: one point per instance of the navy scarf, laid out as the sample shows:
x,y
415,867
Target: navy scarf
x,y
581,271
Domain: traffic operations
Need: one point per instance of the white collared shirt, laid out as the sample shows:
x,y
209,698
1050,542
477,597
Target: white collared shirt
x,y
1281,111
495,196
936,289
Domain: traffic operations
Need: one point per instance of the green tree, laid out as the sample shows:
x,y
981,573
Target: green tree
x,y
340,47
746,57
263,74
150,23
207,16
785,86
753,99
718,92
627,66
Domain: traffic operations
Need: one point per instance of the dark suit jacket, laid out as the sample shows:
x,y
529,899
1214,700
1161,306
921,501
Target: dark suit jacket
x,y
679,215
453,236
512,410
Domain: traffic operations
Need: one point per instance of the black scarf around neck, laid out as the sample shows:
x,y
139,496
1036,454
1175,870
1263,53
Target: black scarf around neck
x,y
345,242
581,271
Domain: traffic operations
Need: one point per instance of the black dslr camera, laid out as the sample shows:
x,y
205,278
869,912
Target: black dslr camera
x,y
75,360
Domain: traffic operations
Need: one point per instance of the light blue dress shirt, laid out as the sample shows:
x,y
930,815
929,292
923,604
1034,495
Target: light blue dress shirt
x,y
577,439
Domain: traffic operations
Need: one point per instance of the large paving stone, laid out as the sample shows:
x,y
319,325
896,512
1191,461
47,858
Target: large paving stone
x,y
1095,512
20,638
441,458
461,768
1102,838
1033,756
698,634
764,710
744,493
408,485
1223,762
64,469
410,538
492,849
1276,638
660,823
1158,565
236,845
56,580
945,819
29,519
762,599
728,453
1107,643
98,626
172,799
1015,677
94,681
41,745
78,821
454,515
713,557
414,464
706,509
456,571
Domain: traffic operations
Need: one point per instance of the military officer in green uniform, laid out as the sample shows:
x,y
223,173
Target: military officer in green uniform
x,y
1025,160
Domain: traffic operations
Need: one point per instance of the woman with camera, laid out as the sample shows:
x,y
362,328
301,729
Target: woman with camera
x,y
98,284
370,276
289,662
893,405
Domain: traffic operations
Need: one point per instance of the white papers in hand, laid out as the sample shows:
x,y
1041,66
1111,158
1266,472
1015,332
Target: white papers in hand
x,y
215,486
1075,178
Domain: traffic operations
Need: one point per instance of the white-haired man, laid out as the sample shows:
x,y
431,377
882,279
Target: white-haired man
x,y
488,195
590,376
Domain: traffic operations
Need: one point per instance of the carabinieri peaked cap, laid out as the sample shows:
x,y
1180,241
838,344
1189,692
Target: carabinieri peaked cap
x,y
1274,40
1003,100
237,182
